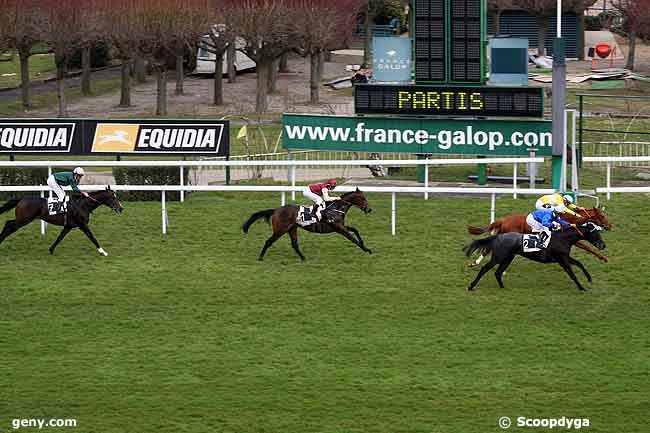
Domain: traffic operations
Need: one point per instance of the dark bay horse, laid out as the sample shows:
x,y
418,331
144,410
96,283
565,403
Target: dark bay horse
x,y
504,247
517,223
29,209
283,220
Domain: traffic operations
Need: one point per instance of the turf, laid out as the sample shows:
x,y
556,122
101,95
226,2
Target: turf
x,y
189,333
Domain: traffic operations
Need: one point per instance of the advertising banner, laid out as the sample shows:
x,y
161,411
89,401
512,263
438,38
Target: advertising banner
x,y
435,136
91,136
391,59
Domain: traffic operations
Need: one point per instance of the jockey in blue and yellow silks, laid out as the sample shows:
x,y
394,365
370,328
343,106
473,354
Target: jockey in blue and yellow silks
x,y
543,221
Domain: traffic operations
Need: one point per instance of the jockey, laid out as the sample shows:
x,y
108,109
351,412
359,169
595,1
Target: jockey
x,y
543,221
558,203
66,178
319,194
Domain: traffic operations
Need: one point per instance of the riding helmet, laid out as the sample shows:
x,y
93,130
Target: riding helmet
x,y
567,198
79,171
331,183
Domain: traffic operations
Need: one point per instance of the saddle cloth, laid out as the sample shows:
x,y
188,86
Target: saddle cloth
x,y
532,243
55,207
306,216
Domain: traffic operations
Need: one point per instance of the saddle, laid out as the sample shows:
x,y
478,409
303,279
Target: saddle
x,y
56,207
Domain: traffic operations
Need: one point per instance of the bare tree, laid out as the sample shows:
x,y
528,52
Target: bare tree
x,y
323,25
62,31
267,28
25,24
218,41
636,21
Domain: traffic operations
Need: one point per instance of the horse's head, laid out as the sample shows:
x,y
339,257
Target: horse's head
x,y
108,198
591,232
597,214
357,199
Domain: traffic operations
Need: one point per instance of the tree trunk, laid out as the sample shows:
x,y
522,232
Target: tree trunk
x,y
161,97
541,35
218,79
231,55
367,26
24,78
85,71
629,64
60,89
261,103
179,74
284,63
273,76
314,80
496,20
140,72
125,94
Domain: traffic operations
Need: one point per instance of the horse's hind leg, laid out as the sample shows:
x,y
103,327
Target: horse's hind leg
x,y
581,266
10,227
501,270
294,241
274,237
58,240
489,265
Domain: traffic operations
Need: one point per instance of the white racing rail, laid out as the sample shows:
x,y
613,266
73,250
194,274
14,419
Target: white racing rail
x,y
163,189
609,160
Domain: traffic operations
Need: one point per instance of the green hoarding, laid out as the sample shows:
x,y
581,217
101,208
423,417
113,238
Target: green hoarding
x,y
412,135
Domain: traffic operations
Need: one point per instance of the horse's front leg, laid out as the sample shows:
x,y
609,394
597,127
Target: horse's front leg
x,y
58,240
343,231
357,234
84,228
588,249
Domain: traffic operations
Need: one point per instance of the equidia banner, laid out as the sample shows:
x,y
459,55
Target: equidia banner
x,y
383,134
84,137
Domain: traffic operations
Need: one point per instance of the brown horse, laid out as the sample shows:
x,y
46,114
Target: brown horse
x,y
29,209
516,223
283,220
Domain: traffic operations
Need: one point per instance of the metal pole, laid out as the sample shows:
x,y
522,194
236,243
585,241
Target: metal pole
x,y
426,181
514,180
49,173
559,101
164,213
574,158
393,212
284,198
580,126
182,183
293,182
43,223
493,207
532,171
609,179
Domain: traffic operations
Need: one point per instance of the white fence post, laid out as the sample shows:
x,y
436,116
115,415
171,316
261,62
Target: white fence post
x,y
164,212
609,179
43,223
514,180
284,199
426,180
49,173
493,207
293,182
393,212
182,183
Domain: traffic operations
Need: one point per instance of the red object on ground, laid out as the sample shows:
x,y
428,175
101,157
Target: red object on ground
x,y
603,50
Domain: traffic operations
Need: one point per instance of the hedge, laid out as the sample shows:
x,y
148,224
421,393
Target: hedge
x,y
22,176
148,176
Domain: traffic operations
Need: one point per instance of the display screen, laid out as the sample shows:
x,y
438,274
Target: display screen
x,y
429,40
466,41
449,100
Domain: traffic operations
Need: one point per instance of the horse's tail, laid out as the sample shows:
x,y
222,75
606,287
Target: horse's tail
x,y
484,246
480,230
9,205
266,214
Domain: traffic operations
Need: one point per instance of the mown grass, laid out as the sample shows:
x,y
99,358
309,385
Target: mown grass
x,y
39,65
189,333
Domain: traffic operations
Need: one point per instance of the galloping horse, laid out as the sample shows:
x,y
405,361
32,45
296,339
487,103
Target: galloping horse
x,y
504,247
517,223
30,208
283,220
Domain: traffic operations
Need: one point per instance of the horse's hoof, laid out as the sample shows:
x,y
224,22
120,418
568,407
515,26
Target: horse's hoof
x,y
102,252
605,259
369,251
51,252
260,259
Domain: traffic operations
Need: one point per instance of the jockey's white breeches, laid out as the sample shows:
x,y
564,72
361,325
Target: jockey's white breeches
x,y
54,186
313,197
535,225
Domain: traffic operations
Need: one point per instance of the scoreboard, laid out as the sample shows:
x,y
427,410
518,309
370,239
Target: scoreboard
x,y
449,41
481,101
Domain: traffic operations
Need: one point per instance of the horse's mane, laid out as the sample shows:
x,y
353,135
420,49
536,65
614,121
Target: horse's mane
x,y
349,193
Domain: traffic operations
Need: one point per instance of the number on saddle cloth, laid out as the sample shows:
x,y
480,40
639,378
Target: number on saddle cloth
x,y
535,242
55,207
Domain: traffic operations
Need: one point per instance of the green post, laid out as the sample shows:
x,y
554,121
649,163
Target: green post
x,y
556,171
421,171
481,177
